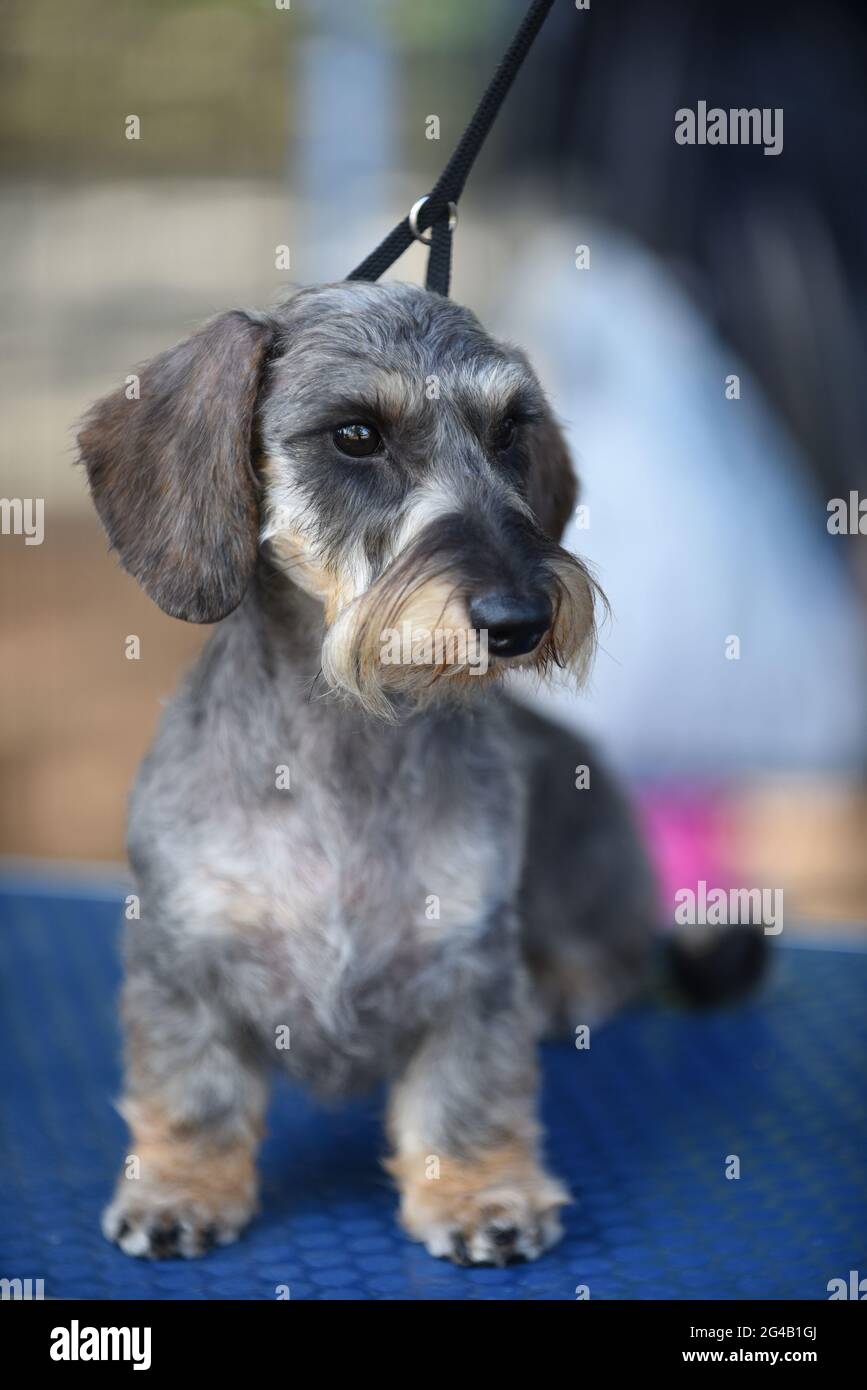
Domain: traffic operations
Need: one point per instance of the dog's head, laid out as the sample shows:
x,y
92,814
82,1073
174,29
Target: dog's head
x,y
386,455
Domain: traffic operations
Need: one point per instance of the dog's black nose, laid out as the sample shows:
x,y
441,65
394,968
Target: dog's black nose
x,y
515,623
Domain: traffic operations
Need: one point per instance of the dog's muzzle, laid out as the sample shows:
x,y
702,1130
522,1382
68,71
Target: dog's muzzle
x,y
468,584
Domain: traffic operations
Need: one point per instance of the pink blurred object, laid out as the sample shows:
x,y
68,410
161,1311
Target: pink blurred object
x,y
688,832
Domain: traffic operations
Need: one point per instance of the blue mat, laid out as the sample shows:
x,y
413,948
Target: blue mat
x,y
640,1126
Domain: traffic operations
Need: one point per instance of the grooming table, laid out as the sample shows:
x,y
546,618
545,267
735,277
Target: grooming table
x,y
640,1126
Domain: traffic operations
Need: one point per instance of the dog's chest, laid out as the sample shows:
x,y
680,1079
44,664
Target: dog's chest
x,y
352,906
356,885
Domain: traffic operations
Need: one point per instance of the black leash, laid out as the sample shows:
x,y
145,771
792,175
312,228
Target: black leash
x,y
438,211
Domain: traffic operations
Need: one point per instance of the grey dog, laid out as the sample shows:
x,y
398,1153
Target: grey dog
x,y
354,869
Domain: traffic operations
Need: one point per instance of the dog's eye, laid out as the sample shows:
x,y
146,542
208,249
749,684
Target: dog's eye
x,y
504,434
357,441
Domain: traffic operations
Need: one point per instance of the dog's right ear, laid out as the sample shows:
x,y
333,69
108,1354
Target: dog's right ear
x,y
171,471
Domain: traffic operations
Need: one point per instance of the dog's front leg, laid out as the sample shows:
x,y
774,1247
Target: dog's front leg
x,y
462,1124
194,1101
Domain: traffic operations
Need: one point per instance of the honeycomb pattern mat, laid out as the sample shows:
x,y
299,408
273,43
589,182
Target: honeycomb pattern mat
x,y
640,1125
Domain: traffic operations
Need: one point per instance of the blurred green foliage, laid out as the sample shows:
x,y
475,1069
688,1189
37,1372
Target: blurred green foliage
x,y
207,78
213,82
449,24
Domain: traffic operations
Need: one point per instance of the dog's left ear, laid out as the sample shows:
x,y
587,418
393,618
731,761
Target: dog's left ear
x,y
552,488
171,471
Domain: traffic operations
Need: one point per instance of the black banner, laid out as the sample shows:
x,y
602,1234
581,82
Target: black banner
x,y
80,1337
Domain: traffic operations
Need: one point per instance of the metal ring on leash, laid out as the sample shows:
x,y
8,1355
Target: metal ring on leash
x,y
427,235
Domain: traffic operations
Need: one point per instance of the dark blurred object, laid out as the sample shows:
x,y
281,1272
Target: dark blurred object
x,y
775,247
713,967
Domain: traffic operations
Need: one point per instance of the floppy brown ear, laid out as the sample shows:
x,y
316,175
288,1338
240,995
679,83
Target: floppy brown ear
x,y
171,472
552,488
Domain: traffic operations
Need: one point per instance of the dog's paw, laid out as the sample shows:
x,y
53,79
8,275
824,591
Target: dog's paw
x,y
162,1226
474,1215
501,1229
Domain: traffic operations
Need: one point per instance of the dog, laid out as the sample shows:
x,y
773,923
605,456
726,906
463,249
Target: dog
x,y
350,869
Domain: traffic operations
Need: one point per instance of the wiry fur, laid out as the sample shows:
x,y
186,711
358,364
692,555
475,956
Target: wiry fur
x,y
309,908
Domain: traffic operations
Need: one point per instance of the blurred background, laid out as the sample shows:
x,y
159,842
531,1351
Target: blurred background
x,y
308,128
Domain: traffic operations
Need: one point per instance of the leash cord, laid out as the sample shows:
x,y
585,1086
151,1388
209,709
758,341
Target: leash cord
x,y
435,211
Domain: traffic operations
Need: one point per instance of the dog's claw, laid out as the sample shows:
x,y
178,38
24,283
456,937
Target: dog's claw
x,y
459,1252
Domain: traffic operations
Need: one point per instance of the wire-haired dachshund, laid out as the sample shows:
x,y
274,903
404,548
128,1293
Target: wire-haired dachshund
x,y
357,859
